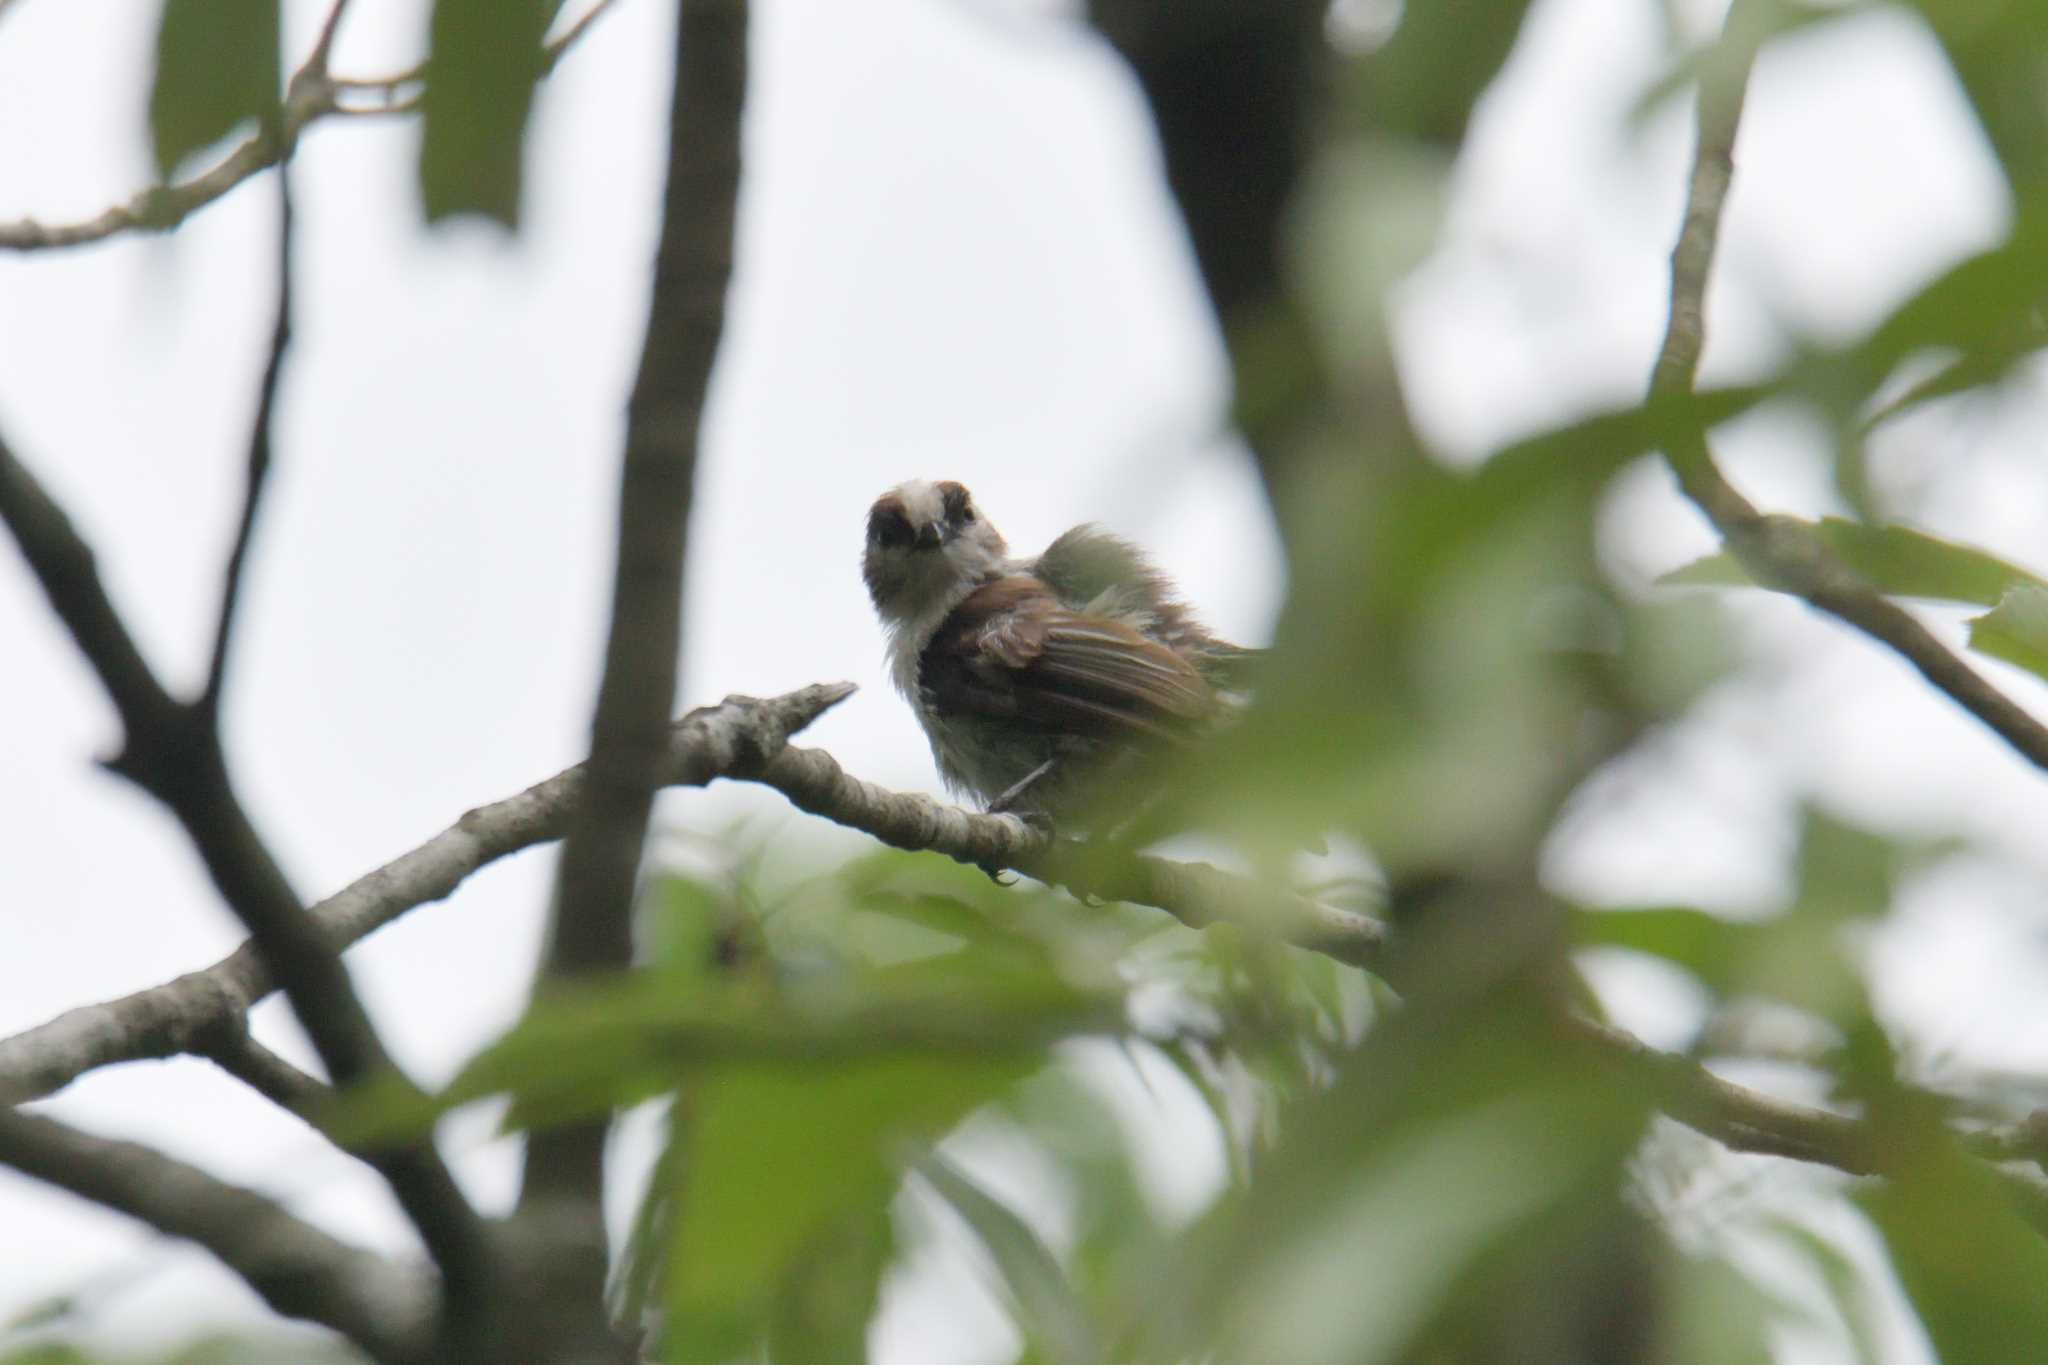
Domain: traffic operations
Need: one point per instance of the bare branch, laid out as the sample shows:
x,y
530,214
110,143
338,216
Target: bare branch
x,y
1779,552
183,1015
172,750
301,1271
311,95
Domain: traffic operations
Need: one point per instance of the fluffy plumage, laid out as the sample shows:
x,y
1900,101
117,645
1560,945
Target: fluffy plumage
x,y
1036,680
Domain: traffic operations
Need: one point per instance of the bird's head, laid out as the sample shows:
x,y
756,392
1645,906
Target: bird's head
x,y
927,545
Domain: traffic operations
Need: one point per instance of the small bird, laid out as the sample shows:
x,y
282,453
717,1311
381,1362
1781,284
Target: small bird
x,y
1037,681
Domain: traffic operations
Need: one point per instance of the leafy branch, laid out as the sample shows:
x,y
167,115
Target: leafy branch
x,y
312,95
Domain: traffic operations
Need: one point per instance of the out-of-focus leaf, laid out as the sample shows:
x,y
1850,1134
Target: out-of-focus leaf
x,y
779,1156
636,1283
483,59
1720,952
1971,1266
1717,1315
2016,630
1457,1138
1985,307
1119,1247
1424,82
1041,1300
216,67
1421,694
1759,22
1997,51
825,1300
1843,875
1893,559
1848,1287
588,1050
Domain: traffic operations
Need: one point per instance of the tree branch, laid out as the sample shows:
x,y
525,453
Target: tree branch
x,y
181,1016
234,1050
746,739
1232,88
1746,1120
311,96
591,916
1779,552
1194,893
300,1271
172,750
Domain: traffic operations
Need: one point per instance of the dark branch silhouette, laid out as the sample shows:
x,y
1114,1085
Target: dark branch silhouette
x,y
591,916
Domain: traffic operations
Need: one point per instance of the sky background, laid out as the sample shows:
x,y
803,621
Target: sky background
x,y
956,260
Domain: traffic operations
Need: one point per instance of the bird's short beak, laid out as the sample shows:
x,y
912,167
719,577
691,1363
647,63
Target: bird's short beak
x,y
927,537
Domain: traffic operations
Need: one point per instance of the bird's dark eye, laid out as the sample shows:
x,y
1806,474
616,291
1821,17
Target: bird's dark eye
x,y
888,526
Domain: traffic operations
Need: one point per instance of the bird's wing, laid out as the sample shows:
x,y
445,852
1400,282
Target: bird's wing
x,y
1012,650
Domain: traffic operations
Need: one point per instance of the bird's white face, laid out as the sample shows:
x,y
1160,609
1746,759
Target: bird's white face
x,y
927,546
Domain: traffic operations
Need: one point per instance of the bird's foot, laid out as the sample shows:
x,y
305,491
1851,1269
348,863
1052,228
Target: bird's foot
x,y
1040,823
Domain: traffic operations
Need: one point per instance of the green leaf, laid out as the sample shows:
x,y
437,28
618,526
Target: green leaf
x,y
1972,1268
1417,1201
1717,1315
1042,1301
1893,559
1854,1296
826,1299
591,1049
779,1156
2016,630
216,67
483,59
1997,51
1718,951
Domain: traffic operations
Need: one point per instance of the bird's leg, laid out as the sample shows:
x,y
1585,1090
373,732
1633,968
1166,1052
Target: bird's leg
x,y
1038,820
1009,795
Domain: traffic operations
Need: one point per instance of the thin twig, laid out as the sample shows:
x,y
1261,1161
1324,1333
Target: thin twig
x,y
235,1050
323,46
259,443
301,1271
1780,552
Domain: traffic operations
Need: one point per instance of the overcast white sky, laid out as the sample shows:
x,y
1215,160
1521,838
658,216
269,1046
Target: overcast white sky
x,y
956,261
